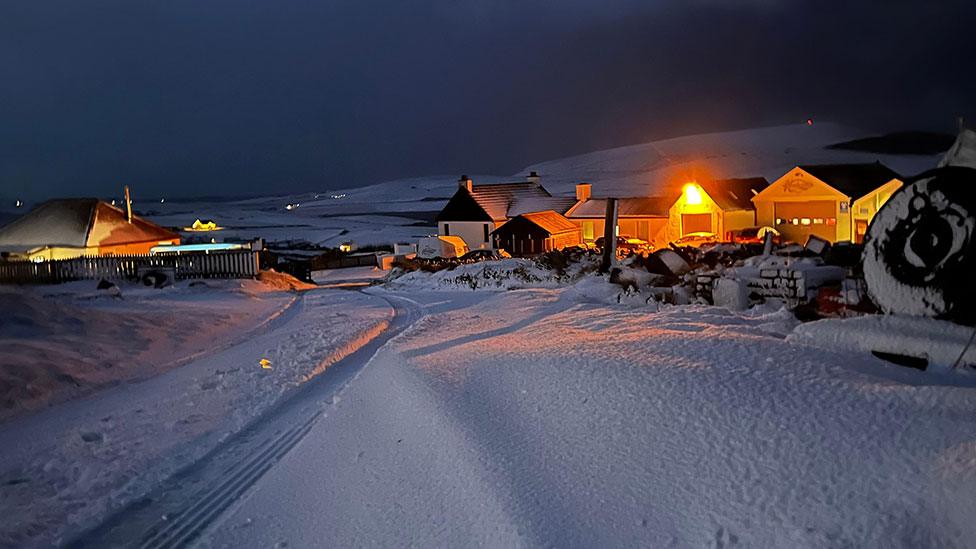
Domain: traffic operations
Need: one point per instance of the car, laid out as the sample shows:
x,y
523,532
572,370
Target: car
x,y
753,235
627,244
696,240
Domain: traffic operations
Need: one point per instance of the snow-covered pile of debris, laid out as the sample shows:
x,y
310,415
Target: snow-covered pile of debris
x,y
505,274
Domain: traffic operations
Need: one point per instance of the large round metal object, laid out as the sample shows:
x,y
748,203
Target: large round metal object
x,y
919,256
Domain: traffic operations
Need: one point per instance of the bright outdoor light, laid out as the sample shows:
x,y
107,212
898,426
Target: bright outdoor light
x,y
692,194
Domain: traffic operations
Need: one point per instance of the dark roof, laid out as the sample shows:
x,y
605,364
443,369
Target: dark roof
x,y
549,221
499,202
854,180
462,207
735,194
78,223
652,206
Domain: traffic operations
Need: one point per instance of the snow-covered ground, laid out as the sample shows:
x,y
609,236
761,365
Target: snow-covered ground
x,y
541,418
65,467
403,210
68,340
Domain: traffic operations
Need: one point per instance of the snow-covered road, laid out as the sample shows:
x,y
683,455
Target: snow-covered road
x,y
63,469
548,418
537,418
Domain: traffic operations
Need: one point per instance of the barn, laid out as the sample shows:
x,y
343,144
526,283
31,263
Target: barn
x,y
536,232
73,227
832,201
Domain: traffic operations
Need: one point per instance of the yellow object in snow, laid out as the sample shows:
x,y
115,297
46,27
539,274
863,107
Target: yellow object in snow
x,y
265,363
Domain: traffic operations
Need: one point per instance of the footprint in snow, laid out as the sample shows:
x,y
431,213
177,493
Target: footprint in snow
x,y
92,436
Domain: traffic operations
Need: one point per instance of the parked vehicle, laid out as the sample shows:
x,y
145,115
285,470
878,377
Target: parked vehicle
x,y
627,244
696,240
441,246
753,235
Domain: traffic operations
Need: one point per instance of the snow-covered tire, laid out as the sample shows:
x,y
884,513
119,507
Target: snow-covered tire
x,y
919,256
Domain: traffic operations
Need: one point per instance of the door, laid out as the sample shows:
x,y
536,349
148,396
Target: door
x,y
696,223
798,220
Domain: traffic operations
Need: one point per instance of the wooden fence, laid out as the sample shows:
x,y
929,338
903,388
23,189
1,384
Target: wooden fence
x,y
236,264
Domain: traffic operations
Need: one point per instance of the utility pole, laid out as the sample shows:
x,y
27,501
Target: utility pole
x,y
609,236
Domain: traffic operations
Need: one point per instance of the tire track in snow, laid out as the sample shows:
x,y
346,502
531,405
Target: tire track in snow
x,y
182,507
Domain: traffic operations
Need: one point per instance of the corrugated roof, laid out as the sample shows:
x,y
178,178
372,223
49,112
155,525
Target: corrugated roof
x,y
559,204
735,194
78,223
854,180
651,206
550,221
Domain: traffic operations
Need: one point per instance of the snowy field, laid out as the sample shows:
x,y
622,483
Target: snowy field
x,y
541,418
403,210
66,466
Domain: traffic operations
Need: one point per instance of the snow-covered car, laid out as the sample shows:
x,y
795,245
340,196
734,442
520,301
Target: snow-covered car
x,y
696,240
441,246
752,235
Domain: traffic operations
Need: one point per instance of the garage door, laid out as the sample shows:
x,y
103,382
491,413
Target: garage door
x,y
798,220
696,223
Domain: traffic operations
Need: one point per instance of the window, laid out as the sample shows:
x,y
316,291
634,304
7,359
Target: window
x,y
587,230
447,229
486,232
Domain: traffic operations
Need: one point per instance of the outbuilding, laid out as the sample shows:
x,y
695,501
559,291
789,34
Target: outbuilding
x,y
74,227
833,201
536,232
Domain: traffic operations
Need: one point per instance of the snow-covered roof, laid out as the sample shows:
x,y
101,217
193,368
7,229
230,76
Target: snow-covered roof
x,y
549,221
501,201
635,206
735,194
78,223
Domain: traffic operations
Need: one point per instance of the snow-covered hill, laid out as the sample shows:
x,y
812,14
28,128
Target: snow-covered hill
x,y
769,152
402,210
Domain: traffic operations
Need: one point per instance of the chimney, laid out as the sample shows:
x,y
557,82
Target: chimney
x,y
533,178
128,205
583,191
465,183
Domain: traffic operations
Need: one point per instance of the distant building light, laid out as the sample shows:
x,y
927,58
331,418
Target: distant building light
x,y
161,200
18,204
809,121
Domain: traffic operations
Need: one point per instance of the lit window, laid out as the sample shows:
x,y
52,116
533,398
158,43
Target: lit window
x,y
805,221
780,221
831,220
818,221
795,221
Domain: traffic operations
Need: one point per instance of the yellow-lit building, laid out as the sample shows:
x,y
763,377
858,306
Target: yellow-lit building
x,y
716,206
835,201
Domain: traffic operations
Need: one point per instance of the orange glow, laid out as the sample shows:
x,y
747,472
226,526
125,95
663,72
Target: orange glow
x,y
692,193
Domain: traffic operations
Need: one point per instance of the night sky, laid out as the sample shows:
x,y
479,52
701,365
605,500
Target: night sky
x,y
221,97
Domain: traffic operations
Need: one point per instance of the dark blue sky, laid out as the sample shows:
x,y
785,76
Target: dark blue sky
x,y
217,97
